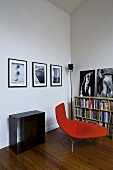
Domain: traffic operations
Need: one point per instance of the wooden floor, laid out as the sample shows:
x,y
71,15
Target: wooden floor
x,y
52,155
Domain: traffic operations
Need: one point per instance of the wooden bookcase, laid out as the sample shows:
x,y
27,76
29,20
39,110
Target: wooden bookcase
x,y
94,109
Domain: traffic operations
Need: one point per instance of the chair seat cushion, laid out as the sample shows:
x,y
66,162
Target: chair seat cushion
x,y
89,130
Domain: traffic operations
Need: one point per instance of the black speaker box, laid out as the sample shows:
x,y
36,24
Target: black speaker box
x,y
70,67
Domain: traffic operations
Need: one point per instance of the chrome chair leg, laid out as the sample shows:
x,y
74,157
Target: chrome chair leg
x,y
64,143
72,142
89,140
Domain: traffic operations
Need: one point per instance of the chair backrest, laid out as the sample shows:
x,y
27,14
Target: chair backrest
x,y
68,126
60,114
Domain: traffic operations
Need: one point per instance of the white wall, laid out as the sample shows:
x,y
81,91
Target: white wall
x,y
36,31
91,37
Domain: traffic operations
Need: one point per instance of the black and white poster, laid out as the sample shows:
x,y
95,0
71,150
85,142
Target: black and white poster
x,y
105,82
87,83
17,73
55,75
39,74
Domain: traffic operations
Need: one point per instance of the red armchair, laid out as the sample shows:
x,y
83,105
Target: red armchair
x,y
77,129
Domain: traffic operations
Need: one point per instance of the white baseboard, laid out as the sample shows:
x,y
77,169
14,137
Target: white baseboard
x,y
3,145
51,128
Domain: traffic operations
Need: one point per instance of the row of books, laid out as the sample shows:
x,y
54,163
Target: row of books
x,y
95,115
91,114
105,117
94,104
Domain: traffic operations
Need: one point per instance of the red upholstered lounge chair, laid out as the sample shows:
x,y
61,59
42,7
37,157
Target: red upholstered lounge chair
x,y
77,129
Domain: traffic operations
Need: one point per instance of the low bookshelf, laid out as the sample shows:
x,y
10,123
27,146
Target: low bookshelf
x,y
94,109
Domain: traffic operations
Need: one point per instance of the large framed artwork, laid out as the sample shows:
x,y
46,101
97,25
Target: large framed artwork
x,y
87,83
105,82
55,75
39,74
17,73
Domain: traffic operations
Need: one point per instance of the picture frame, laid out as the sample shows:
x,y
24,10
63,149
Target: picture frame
x,y
55,75
17,73
87,83
105,82
39,74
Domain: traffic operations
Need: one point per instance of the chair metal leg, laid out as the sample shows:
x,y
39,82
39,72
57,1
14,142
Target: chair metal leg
x,y
72,142
89,140
72,145
64,143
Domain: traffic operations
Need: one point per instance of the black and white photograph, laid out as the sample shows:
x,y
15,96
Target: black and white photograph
x,y
17,73
55,75
105,82
87,83
39,74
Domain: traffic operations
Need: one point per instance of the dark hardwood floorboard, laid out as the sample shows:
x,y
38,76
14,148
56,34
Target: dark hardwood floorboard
x,y
53,155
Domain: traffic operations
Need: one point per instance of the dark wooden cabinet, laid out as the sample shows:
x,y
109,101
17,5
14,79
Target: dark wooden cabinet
x,y
31,127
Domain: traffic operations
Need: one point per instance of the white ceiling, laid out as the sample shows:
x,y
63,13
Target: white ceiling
x,y
66,5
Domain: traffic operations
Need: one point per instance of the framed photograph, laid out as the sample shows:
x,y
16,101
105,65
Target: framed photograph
x,y
17,73
87,83
105,82
39,74
55,75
